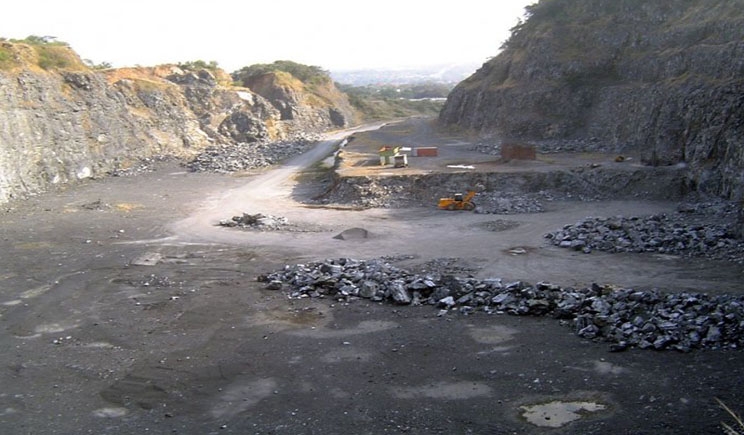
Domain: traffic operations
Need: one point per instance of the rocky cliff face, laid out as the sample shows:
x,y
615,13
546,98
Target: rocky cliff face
x,y
318,104
664,79
66,122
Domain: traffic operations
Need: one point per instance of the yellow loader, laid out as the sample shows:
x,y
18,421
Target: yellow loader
x,y
459,202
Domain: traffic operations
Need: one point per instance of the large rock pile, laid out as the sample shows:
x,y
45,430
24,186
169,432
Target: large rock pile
x,y
676,234
499,203
623,317
225,158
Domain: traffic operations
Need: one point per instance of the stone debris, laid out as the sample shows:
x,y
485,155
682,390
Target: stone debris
x,y
674,234
226,158
623,317
500,203
370,192
256,221
97,205
141,166
151,281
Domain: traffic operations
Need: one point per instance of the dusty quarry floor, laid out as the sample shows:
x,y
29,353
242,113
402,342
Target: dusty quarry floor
x,y
125,309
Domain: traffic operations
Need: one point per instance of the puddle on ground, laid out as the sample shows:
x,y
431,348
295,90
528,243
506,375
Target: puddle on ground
x,y
99,345
444,391
110,412
28,294
497,349
603,368
285,318
242,395
35,292
28,246
558,413
364,327
494,334
519,250
606,368
54,328
346,355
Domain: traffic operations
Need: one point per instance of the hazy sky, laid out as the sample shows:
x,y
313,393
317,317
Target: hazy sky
x,y
332,34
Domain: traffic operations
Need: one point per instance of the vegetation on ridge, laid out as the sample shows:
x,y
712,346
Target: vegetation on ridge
x,y
49,54
389,102
308,74
212,65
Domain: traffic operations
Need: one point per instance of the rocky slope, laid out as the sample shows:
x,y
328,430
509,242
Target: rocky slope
x,y
61,121
318,104
663,79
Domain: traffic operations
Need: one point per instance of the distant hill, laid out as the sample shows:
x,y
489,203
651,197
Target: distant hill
x,y
443,73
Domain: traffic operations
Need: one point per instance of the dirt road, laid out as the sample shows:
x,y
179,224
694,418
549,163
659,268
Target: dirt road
x,y
126,309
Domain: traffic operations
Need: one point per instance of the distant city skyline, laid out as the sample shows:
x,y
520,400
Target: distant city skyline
x,y
330,34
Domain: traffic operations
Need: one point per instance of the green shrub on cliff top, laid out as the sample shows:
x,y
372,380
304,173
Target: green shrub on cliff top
x,y
53,57
306,73
51,53
6,58
198,64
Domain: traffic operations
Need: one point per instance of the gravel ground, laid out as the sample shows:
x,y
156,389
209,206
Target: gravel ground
x,y
127,308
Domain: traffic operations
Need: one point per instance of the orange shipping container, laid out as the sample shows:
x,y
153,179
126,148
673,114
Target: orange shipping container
x,y
425,152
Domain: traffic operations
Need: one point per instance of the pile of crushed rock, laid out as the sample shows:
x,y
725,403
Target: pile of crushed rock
x,y
141,166
500,203
226,158
624,317
258,221
268,222
686,232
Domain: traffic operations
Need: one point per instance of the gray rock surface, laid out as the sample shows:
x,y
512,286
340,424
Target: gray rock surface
x,y
661,79
62,126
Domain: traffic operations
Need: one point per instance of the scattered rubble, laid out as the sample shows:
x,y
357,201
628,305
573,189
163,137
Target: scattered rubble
x,y
500,203
491,147
97,205
141,166
267,222
152,280
685,232
257,221
226,158
624,317
370,192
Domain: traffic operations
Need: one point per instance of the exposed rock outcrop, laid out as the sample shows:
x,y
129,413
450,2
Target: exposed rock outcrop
x,y
62,121
318,105
664,79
